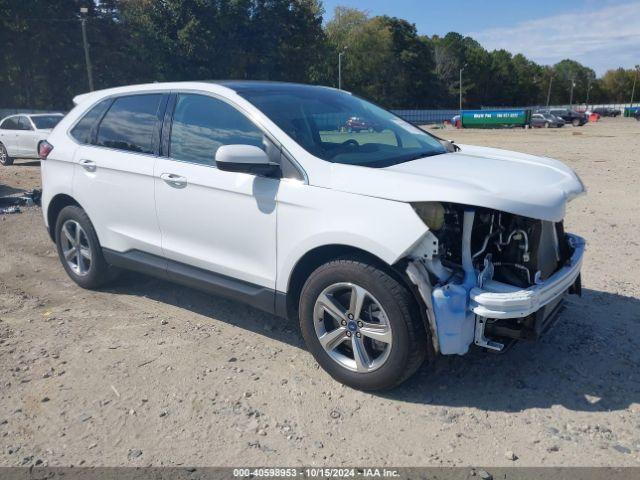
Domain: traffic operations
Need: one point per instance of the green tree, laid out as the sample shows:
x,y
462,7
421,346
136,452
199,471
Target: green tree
x,y
41,53
135,41
565,73
258,39
384,59
619,83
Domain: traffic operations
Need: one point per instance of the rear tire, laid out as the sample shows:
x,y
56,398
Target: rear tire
x,y
79,249
388,313
5,159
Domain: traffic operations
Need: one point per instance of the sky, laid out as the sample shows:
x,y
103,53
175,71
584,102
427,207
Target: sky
x,y
601,34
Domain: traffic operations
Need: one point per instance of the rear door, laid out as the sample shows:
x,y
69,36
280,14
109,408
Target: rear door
x,y
113,180
10,135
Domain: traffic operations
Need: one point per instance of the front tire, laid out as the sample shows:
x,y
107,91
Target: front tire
x,y
361,325
5,159
79,249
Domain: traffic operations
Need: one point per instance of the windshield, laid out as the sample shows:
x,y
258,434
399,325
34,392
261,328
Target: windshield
x,y
340,128
45,122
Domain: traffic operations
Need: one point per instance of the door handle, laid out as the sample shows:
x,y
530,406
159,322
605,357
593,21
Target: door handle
x,y
173,180
88,165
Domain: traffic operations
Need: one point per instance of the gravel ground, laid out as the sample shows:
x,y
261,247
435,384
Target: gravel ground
x,y
148,373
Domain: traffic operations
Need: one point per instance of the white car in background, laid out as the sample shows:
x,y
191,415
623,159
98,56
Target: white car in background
x,y
21,135
387,246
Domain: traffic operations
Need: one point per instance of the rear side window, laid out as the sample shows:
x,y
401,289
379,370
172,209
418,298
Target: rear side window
x,y
130,123
46,122
10,124
82,131
202,124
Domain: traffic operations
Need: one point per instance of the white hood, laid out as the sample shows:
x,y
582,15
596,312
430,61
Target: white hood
x,y
536,187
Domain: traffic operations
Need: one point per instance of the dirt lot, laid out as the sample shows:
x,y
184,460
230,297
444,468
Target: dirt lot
x,y
149,373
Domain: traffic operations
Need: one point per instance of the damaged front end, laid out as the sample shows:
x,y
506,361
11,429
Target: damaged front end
x,y
489,277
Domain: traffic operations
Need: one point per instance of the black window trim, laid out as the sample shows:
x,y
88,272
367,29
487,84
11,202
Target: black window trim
x,y
156,134
93,133
81,117
166,143
112,98
168,123
165,119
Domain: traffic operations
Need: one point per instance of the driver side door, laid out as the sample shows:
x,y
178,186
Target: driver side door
x,y
217,227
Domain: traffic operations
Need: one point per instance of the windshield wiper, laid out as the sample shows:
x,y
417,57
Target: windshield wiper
x,y
421,155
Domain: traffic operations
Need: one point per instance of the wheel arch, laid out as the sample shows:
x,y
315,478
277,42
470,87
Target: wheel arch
x,y
320,255
56,204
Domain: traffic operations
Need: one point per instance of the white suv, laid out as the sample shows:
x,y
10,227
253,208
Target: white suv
x,y
21,135
387,244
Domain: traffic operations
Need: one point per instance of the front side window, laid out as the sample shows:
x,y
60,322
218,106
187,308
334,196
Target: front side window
x,y
84,128
130,123
201,124
341,128
46,122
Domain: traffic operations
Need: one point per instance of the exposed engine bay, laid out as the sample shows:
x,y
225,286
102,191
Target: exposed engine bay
x,y
471,249
522,250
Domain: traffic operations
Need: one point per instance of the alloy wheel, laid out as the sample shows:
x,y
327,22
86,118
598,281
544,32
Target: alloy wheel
x,y
352,327
75,247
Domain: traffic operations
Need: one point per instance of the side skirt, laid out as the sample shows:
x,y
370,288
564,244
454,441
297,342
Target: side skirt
x,y
263,298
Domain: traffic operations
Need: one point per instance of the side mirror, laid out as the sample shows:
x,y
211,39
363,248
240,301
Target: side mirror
x,y
449,146
245,159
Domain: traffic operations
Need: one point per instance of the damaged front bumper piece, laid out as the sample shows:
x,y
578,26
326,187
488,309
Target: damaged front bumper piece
x,y
462,309
500,300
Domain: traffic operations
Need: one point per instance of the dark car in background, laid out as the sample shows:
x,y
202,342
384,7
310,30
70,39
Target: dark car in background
x,y
546,120
359,124
606,111
577,119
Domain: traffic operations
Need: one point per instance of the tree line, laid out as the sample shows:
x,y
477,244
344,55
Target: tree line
x,y
42,63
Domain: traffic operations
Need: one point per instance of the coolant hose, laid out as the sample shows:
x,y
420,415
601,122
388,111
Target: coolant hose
x,y
467,263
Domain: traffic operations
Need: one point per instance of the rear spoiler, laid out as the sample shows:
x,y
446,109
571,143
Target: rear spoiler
x,y
78,99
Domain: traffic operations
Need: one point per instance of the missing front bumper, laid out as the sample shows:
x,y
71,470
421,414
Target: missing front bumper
x,y
459,317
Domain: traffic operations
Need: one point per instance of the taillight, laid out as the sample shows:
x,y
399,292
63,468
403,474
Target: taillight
x,y
44,150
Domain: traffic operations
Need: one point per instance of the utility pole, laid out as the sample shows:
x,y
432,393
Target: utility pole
x,y
635,78
549,91
573,84
87,58
340,67
588,91
460,88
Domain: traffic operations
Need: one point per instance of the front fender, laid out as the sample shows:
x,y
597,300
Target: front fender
x,y
310,217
